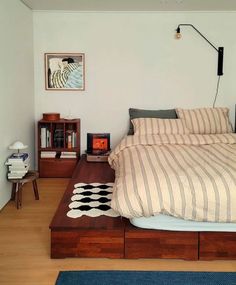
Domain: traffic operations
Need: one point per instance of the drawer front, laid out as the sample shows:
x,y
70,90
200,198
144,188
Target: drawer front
x,y
59,168
217,245
90,243
161,244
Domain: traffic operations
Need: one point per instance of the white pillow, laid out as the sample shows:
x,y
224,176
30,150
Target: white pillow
x,y
206,120
145,126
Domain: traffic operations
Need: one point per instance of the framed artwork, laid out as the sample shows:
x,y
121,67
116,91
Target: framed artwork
x,y
64,71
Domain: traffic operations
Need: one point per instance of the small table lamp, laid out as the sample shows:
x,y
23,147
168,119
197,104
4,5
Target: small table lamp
x,y
18,146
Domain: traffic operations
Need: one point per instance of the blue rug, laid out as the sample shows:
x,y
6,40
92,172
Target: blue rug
x,y
145,278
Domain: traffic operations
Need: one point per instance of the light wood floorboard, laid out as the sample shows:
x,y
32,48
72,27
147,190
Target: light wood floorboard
x,y
25,244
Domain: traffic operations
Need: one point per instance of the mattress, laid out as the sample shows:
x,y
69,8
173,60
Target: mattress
x,y
164,222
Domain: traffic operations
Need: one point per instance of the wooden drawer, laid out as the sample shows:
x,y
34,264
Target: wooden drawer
x,y
217,245
88,243
142,243
60,168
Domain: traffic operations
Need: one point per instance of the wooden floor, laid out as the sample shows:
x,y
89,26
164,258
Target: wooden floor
x,y
25,242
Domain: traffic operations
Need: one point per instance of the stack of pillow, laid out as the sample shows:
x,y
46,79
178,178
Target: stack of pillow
x,y
180,121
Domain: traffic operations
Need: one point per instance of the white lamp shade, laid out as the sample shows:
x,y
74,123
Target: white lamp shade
x,y
18,145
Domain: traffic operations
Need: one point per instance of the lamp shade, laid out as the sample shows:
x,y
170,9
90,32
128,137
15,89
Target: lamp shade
x,y
18,145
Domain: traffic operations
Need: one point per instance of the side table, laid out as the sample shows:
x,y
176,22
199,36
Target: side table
x,y
17,185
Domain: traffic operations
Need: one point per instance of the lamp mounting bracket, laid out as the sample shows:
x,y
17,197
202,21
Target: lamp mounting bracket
x,y
220,50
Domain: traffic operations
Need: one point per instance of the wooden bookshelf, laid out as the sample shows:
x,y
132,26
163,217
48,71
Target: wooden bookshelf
x,y
58,147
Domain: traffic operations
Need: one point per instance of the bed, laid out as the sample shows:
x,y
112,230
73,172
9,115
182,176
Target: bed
x,y
168,168
185,173
177,172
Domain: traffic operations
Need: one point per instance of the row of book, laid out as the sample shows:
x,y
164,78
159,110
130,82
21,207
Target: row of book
x,y
68,154
70,139
45,137
54,154
58,138
48,154
18,165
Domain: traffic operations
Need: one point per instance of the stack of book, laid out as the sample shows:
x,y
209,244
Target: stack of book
x,y
58,138
70,139
45,137
68,154
18,165
48,154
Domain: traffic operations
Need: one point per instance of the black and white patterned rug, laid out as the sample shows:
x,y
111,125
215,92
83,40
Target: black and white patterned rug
x,y
91,200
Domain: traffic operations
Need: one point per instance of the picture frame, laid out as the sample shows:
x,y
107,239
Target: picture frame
x,y
64,71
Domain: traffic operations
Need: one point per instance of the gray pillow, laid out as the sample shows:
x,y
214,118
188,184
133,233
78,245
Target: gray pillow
x,y
140,113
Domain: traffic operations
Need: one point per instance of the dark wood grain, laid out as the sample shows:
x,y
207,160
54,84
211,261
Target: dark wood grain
x,y
117,238
86,236
58,168
90,172
17,186
144,243
217,245
55,167
87,243
85,172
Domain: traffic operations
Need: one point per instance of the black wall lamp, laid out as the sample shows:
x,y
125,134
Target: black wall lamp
x,y
220,50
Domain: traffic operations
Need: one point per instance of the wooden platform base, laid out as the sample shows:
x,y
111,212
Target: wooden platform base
x,y
117,238
143,243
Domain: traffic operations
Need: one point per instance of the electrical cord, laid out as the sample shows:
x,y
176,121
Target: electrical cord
x,y
217,89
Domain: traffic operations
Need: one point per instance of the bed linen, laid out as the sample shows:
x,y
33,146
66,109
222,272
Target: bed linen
x,y
169,223
192,177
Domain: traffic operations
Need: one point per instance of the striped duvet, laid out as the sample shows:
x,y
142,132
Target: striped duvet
x,y
187,176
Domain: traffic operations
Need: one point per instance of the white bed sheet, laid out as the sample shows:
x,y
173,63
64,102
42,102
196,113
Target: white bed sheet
x,y
164,222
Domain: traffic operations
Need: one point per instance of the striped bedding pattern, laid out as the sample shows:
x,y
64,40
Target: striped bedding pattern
x,y
187,176
143,126
206,120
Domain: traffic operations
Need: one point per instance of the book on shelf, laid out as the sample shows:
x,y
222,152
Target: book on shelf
x,y
74,139
45,137
70,139
68,154
58,139
48,154
48,138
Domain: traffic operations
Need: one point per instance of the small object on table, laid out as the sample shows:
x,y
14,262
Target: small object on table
x,y
18,146
102,157
18,165
51,116
17,185
98,147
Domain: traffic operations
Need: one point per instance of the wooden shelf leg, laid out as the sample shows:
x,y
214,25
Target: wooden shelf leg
x,y
13,192
36,193
19,196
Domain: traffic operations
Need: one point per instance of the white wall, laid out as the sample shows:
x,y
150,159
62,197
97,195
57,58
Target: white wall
x,y
16,81
133,60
